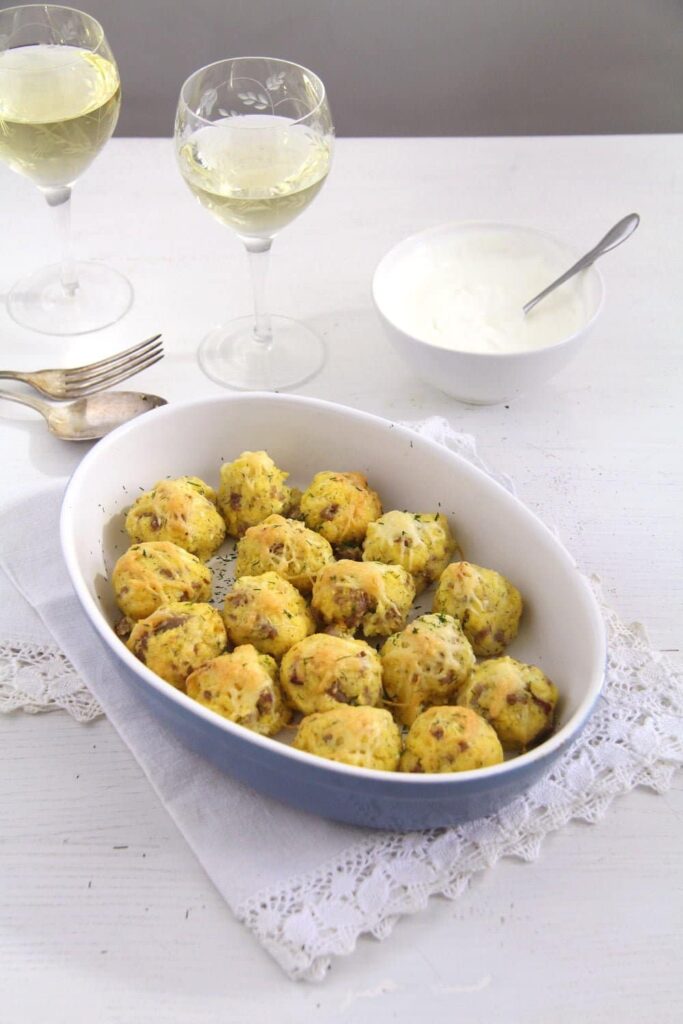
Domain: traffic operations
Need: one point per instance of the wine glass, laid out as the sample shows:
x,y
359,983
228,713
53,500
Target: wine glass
x,y
59,102
254,141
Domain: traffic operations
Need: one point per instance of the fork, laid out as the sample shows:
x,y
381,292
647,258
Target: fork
x,y
80,381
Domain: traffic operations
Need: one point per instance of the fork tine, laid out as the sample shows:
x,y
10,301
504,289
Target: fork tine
x,y
110,360
80,390
117,361
95,375
95,380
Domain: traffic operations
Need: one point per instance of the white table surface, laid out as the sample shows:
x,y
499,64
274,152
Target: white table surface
x,y
104,914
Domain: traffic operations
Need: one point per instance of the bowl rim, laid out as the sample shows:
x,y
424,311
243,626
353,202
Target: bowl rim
x,y
462,225
94,613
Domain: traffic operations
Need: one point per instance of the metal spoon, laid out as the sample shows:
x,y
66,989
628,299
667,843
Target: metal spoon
x,y
89,418
614,237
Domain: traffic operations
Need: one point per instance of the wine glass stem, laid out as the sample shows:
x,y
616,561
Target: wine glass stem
x,y
258,250
59,200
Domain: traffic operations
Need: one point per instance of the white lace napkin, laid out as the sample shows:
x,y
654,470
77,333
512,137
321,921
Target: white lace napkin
x,y
308,888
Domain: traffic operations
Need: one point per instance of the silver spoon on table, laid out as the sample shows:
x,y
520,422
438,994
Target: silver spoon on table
x,y
614,237
89,418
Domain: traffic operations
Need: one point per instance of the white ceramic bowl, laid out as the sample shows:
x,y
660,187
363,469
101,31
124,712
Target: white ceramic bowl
x,y
561,629
476,377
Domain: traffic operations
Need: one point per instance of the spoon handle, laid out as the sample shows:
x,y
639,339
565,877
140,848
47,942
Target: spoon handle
x,y
614,237
34,403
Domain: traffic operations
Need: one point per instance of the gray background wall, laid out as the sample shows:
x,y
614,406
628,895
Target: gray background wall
x,y
420,67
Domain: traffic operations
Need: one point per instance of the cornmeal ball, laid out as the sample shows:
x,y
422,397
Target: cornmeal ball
x,y
323,671
284,546
421,542
150,575
268,612
450,739
177,638
182,511
243,687
425,664
348,595
339,506
365,737
251,489
518,700
486,603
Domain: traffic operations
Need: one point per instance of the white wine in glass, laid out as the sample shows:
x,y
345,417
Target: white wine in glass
x,y
254,143
255,182
60,96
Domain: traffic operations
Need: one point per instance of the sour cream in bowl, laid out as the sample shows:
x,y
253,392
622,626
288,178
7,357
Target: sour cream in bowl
x,y
451,300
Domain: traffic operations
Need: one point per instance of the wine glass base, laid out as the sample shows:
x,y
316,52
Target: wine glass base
x,y
41,303
230,355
